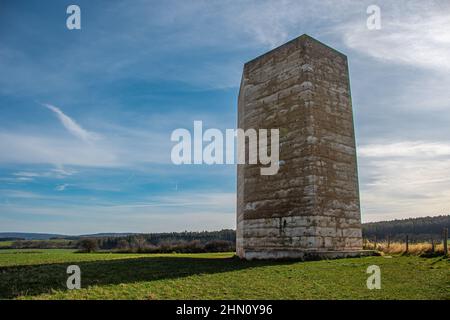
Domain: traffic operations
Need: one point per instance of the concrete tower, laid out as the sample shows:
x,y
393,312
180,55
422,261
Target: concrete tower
x,y
310,208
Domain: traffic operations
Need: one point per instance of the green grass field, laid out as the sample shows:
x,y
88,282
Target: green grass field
x,y
41,274
4,244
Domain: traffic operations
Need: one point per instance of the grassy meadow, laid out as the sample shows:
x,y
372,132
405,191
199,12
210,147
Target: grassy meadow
x,y
41,274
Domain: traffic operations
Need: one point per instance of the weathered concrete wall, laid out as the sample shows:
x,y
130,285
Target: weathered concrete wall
x,y
311,206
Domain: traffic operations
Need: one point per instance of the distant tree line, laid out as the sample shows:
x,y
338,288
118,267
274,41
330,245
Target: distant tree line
x,y
168,237
139,245
11,239
44,244
204,241
183,242
417,229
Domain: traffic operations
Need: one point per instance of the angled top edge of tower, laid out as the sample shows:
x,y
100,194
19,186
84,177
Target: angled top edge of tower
x,y
303,37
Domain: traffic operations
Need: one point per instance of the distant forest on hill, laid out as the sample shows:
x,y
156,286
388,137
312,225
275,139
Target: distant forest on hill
x,y
204,241
417,229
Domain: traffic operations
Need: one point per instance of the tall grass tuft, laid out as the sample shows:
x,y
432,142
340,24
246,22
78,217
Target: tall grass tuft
x,y
419,248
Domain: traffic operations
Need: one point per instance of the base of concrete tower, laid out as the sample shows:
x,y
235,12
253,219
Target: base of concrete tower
x,y
303,255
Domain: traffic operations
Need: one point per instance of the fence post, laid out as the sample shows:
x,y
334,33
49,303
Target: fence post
x,y
375,243
407,244
388,241
432,245
445,240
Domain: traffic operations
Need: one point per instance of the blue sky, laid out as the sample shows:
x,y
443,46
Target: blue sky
x,y
86,115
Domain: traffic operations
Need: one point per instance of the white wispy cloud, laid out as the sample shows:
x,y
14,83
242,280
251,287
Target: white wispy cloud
x,y
415,35
405,179
19,194
62,187
406,149
26,174
44,149
219,201
59,172
135,143
71,125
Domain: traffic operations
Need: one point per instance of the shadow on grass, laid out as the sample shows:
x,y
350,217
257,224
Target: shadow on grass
x,y
36,279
